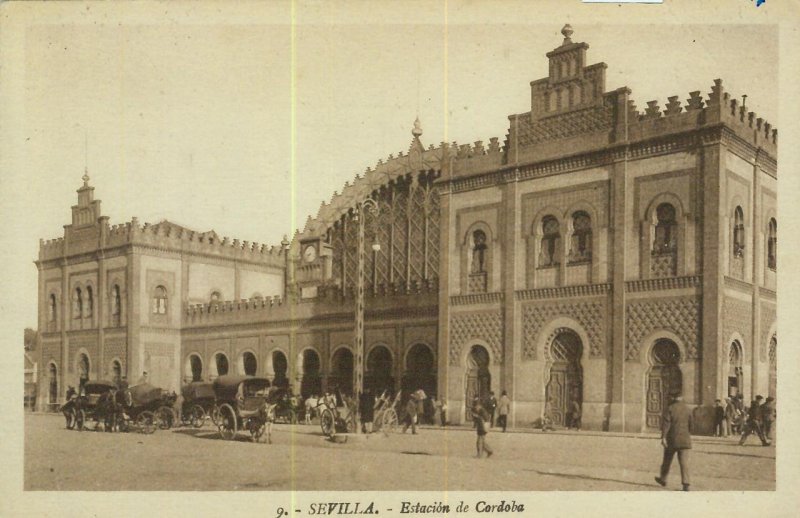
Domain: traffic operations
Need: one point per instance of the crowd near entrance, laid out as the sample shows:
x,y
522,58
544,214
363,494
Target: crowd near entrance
x,y
565,385
735,370
479,380
664,378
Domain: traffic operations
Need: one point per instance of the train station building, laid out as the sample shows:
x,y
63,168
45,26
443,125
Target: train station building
x,y
599,253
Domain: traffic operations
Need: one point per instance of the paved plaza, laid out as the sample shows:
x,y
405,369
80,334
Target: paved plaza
x,y
301,459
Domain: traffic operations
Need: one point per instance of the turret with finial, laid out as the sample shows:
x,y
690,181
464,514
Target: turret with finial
x,y
417,130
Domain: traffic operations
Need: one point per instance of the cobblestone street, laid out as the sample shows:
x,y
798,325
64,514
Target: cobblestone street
x,y
434,459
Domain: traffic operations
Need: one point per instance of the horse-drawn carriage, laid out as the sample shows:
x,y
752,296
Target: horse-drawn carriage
x,y
199,402
287,406
96,401
386,413
147,406
245,403
335,418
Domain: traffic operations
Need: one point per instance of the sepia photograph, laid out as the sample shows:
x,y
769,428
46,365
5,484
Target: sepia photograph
x,y
276,247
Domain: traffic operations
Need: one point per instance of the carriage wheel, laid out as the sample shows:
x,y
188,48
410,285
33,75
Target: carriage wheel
x,y
198,417
226,422
166,417
80,419
390,421
147,422
327,422
69,415
215,415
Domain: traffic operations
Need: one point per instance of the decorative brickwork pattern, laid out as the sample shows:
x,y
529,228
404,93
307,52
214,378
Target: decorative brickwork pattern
x,y
768,317
680,315
51,351
591,314
115,349
485,325
477,283
737,316
91,348
590,120
663,265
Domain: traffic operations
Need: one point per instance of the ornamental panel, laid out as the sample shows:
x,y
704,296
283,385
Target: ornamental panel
x,y
679,315
590,314
737,317
486,326
768,317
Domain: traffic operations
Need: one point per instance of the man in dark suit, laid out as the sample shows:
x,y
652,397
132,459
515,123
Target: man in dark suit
x,y
675,438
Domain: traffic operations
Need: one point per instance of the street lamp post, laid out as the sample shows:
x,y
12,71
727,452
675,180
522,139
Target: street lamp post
x,y
358,371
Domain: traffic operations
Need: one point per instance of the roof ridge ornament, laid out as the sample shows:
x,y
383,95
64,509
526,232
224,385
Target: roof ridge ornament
x,y
567,32
417,130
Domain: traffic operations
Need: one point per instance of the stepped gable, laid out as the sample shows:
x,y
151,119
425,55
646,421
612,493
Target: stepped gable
x,y
570,109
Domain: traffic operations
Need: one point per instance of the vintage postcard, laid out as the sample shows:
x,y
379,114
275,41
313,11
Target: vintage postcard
x,y
399,259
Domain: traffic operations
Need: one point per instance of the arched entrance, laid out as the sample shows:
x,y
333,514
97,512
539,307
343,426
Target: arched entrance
x,y
311,384
663,379
773,367
379,370
53,386
342,371
279,366
479,380
735,371
193,370
420,372
565,385
221,361
83,369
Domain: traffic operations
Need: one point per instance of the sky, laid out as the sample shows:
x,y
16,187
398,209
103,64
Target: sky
x,y
244,124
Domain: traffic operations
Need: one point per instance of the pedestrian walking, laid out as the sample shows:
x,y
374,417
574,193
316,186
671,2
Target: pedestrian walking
x,y
177,407
410,418
754,423
491,404
675,438
481,419
719,418
366,410
503,408
730,416
443,412
768,416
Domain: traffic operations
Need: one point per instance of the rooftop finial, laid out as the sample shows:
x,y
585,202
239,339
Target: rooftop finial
x,y
567,32
417,131
85,176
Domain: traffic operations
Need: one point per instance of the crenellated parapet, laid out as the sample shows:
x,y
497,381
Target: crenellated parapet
x,y
719,107
51,248
171,237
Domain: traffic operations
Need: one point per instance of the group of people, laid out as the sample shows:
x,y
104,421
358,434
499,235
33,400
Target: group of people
x,y
733,418
676,438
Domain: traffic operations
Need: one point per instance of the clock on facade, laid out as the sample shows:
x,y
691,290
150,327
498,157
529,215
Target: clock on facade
x,y
310,253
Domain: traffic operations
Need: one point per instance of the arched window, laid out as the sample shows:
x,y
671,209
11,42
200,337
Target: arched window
x,y
772,244
77,303
89,302
666,227
479,249
160,301
550,242
216,298
738,232
52,308
116,305
581,245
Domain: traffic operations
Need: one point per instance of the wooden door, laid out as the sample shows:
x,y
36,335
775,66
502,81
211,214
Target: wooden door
x,y
558,394
662,380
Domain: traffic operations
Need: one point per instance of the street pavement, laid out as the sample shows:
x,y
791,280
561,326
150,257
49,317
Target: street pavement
x,y
300,458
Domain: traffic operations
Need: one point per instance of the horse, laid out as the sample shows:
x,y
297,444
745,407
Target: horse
x,y
312,405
